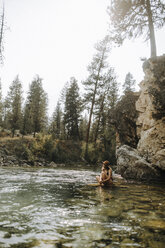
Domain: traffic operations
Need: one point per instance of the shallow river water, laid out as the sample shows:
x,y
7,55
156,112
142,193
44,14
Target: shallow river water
x,y
59,208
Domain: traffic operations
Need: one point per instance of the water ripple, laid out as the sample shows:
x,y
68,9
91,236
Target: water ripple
x,y
58,208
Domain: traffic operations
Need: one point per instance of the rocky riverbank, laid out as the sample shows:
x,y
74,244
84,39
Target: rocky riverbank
x,y
38,152
22,152
8,159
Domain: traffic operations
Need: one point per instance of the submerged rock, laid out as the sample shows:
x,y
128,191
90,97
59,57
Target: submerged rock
x,y
154,224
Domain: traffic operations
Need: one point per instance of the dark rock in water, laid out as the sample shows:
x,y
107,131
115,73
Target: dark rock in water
x,y
154,224
52,164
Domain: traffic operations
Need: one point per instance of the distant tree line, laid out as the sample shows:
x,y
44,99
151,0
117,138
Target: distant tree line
x,y
28,118
84,118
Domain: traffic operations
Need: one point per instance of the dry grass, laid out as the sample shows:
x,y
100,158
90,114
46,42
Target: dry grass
x,y
8,138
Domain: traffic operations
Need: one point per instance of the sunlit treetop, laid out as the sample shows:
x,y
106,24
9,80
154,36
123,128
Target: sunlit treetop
x,y
133,18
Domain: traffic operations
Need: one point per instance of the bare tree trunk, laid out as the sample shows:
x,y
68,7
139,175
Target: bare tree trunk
x,y
151,29
90,118
97,128
13,132
98,123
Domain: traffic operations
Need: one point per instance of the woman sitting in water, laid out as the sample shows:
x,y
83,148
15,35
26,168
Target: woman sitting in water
x,y
105,179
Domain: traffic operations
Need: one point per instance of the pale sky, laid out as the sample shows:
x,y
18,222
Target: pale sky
x,y
55,39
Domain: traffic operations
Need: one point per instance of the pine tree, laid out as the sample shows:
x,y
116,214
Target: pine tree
x,y
13,104
5,114
99,110
72,111
92,84
27,123
83,127
108,94
110,133
132,18
1,106
35,114
129,83
2,29
56,123
113,93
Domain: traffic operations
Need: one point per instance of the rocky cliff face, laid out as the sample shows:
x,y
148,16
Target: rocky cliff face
x,y
151,109
150,124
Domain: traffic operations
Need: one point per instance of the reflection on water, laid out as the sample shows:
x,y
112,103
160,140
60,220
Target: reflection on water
x,y
59,208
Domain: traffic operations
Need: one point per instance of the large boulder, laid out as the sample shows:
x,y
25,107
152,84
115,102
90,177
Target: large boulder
x,y
131,165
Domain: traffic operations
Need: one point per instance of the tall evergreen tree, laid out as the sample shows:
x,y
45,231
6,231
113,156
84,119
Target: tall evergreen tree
x,y
129,83
83,127
13,105
2,28
113,93
108,94
56,123
5,114
27,122
133,18
36,107
92,84
110,133
72,111
1,106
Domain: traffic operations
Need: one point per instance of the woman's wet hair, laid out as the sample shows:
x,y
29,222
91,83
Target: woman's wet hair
x,y
106,164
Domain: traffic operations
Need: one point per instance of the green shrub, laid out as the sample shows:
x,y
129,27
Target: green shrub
x,y
27,154
48,148
66,151
97,153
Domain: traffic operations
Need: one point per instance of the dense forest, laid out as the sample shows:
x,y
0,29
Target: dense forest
x,y
83,119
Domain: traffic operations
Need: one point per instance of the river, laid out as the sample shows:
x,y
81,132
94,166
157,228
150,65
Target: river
x,y
57,208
